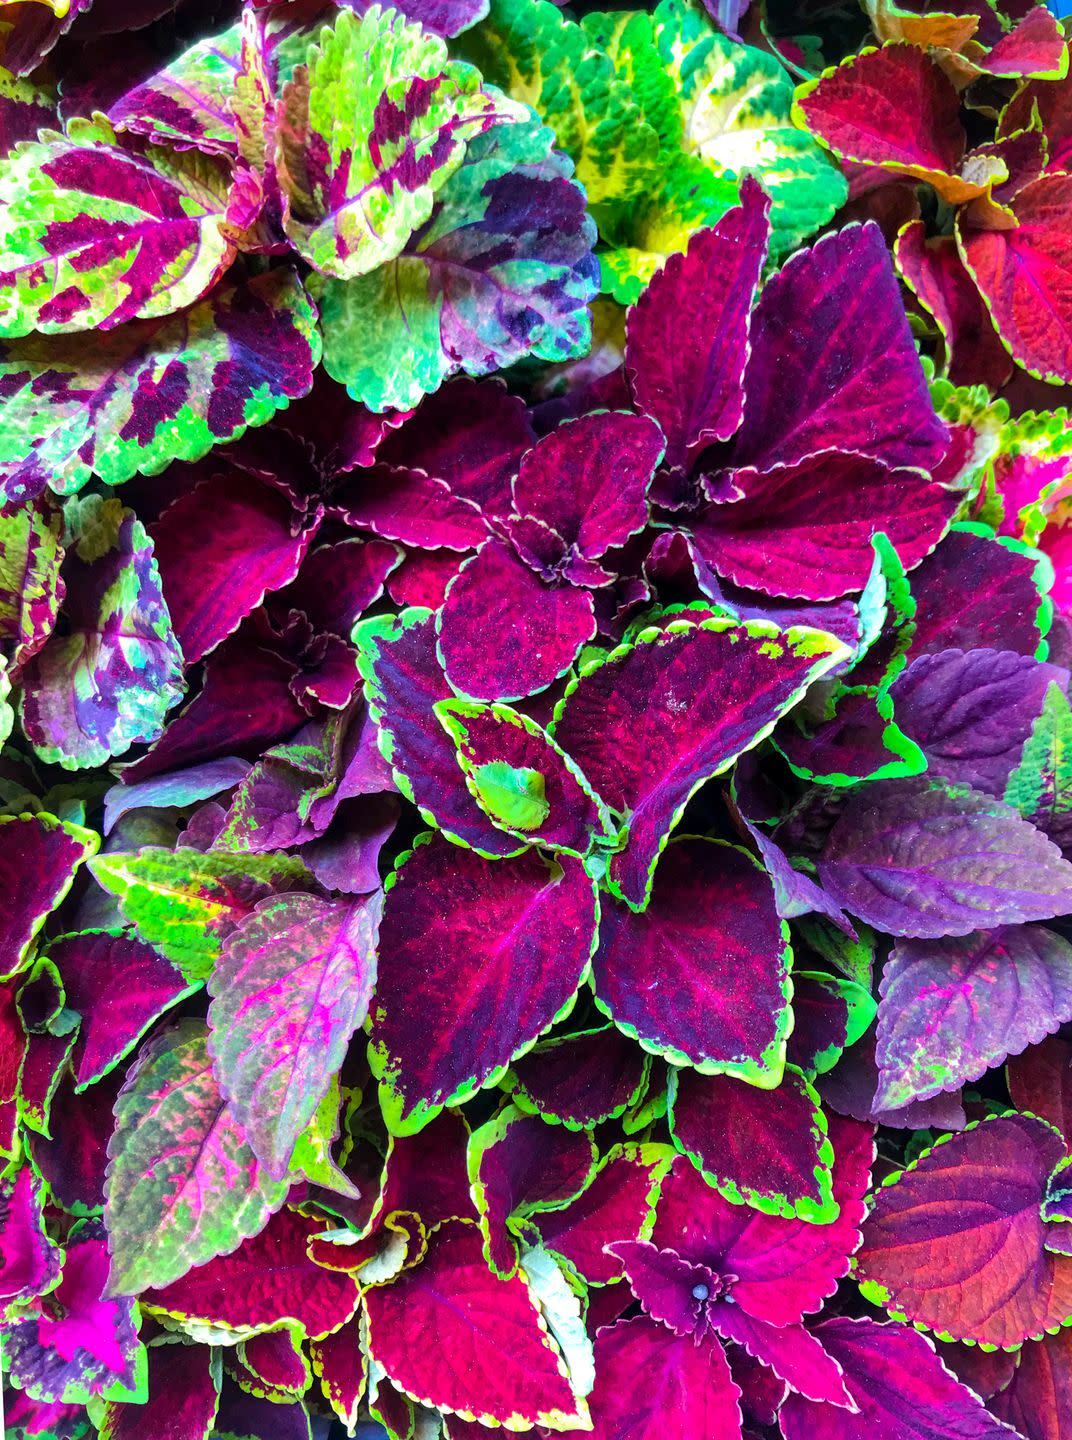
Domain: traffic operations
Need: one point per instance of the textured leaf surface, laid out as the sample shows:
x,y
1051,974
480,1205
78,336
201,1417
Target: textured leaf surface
x,y
152,391
184,902
764,1148
109,678
620,720
39,856
952,1009
964,1260
580,1079
183,1185
186,102
1038,1399
93,235
923,860
31,587
29,1261
183,1397
450,1334
1040,787
713,936
451,1012
502,269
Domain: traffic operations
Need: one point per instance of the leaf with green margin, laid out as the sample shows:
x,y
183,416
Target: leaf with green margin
x,y
520,1166
525,783
829,1015
185,902
26,106
621,720
477,961
560,1304
859,741
92,235
184,1389
312,1157
580,1080
108,680
183,1186
768,1149
188,102
292,984
502,270
152,391
31,586
369,129
539,57
736,110
1041,785
39,856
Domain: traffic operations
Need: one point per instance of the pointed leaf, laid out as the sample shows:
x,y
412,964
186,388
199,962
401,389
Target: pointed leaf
x,y
31,587
185,102
579,1080
39,856
184,1394
29,1261
1040,786
1037,1401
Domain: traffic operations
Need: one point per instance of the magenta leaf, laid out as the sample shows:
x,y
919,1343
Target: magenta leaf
x,y
836,384
264,1282
900,1388
183,1185
952,1009
805,529
620,720
1037,1400
219,549
408,505
791,1352
478,961
781,1269
184,1394
427,1174
292,984
966,1261
712,933
403,681
454,1335
970,711
580,1080
670,1289
338,582
694,392
829,1014
547,627
114,1016
920,859
764,1148
73,1161
652,1383
29,1261
39,857
525,784
341,1366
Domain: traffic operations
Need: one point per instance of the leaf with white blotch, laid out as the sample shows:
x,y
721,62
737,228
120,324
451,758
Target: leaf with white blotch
x,y
107,680
291,986
185,902
370,128
183,1186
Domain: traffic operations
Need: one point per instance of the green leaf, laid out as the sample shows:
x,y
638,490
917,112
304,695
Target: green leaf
x,y
185,902
183,1186
1041,785
514,796
371,127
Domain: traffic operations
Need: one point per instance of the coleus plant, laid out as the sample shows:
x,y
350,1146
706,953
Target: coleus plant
x,y
534,900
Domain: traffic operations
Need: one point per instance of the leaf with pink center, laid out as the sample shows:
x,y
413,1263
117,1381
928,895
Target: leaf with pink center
x,y
965,1261
292,984
589,479
977,591
520,1166
31,586
900,1388
765,1148
790,1352
263,1283
403,681
452,1335
712,933
184,1395
183,1185
654,1385
1023,275
410,506
219,549
923,859
421,580
694,392
80,1344
621,720
479,960
1037,1401
525,784
805,529
784,1268
952,1009
843,383
971,711
185,903
547,626
272,1366
39,857
113,1017
580,1080
29,1261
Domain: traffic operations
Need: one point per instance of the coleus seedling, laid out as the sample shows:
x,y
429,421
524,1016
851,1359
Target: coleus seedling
x,y
533,899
